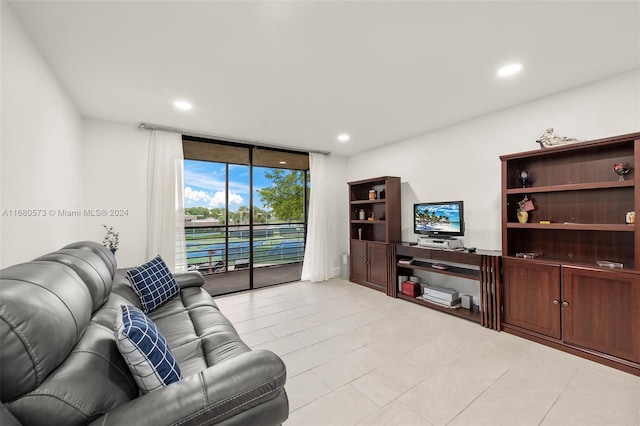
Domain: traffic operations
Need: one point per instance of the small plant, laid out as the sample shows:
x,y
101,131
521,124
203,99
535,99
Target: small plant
x,y
111,239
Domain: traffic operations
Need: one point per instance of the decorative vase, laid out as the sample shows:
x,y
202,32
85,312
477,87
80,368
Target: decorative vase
x,y
523,217
621,169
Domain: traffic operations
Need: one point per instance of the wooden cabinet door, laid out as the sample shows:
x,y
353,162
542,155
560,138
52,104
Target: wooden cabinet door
x,y
359,258
602,311
532,296
378,271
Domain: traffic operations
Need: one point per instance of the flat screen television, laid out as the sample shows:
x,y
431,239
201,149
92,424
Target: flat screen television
x,y
443,219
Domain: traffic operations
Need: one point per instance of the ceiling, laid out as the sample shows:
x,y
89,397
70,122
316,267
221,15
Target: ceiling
x,y
298,73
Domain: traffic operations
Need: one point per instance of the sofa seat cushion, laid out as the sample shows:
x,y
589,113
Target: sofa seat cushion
x,y
153,283
145,350
198,334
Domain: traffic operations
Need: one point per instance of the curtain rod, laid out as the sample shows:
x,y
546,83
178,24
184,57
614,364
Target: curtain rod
x,y
149,126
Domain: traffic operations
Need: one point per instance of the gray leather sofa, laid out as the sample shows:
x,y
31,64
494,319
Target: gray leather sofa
x,y
59,364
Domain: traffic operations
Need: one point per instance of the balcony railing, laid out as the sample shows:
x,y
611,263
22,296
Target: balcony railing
x,y
209,250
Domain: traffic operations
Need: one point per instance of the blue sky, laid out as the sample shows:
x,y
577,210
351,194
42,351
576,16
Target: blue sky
x,y
204,185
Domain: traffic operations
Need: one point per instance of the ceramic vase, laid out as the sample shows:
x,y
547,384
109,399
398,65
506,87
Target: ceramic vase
x,y
523,217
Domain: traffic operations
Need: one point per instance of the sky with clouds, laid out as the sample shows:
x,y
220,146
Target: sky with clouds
x,y
204,185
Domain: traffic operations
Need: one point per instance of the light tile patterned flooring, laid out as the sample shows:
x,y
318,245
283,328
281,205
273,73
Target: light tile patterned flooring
x,y
357,356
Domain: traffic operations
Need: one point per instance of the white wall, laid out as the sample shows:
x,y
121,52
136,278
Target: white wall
x,y
462,162
52,160
114,181
41,142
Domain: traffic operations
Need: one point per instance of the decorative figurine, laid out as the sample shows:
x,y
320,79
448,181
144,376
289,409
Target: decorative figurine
x,y
523,178
549,139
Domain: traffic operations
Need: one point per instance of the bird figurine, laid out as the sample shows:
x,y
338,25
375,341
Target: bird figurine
x,y
549,139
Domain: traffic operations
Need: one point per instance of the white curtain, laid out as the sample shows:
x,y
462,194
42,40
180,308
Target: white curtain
x,y
318,257
165,202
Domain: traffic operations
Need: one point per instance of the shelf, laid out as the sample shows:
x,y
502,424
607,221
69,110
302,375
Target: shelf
x,y
590,264
460,312
456,271
574,226
368,201
369,222
572,187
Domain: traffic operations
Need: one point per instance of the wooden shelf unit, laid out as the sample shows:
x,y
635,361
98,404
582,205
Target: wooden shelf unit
x,y
575,188
482,266
371,240
562,298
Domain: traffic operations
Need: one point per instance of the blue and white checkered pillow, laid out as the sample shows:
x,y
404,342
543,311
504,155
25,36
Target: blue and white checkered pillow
x,y
153,283
145,350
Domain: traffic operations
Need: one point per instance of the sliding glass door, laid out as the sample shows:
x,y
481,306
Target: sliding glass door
x,y
279,227
245,214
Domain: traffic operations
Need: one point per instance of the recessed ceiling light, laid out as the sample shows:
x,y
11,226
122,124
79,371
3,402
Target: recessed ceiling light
x,y
283,162
508,70
182,105
343,137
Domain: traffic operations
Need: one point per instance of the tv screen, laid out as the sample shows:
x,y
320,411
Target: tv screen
x,y
439,219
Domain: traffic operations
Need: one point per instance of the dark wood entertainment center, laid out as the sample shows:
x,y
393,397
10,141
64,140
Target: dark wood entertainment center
x,y
546,284
559,295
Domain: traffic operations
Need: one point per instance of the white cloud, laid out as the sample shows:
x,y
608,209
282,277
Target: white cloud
x,y
218,200
235,199
190,194
215,200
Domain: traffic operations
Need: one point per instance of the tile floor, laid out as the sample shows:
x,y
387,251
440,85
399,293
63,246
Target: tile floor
x,y
355,356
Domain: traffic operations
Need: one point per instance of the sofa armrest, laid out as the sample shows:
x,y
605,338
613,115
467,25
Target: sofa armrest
x,y
189,279
241,385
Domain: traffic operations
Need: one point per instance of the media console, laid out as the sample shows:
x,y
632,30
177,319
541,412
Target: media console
x,y
482,266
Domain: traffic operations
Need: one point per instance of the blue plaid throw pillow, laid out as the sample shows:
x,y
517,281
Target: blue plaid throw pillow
x,y
145,350
153,283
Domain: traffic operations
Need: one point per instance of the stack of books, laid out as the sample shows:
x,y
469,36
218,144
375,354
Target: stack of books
x,y
441,295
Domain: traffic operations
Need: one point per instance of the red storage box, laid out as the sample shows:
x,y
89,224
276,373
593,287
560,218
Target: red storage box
x,y
410,288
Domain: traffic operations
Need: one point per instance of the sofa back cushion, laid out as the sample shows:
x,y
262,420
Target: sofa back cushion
x,y
59,364
91,381
44,310
105,254
91,268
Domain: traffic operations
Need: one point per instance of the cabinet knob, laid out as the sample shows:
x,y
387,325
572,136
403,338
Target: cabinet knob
x,y
565,304
556,301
